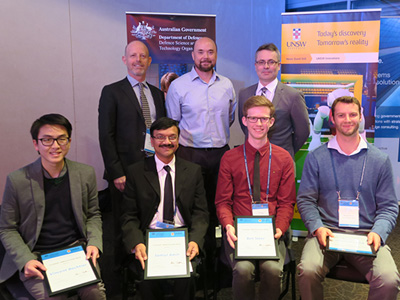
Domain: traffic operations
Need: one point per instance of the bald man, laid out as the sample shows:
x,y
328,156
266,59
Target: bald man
x,y
204,103
124,120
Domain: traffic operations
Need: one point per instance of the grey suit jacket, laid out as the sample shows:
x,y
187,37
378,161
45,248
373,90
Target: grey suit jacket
x,y
22,212
291,128
142,197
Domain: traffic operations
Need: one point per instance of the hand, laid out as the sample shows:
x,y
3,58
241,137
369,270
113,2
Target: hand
x,y
230,235
278,233
120,183
92,252
140,254
193,250
321,234
374,239
33,268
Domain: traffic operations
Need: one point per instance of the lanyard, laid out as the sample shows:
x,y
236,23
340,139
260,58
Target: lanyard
x,y
247,171
361,179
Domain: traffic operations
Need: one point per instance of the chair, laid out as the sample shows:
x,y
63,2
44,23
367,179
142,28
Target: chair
x,y
346,272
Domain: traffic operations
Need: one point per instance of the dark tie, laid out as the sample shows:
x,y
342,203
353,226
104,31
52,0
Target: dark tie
x,y
168,197
145,106
256,178
264,92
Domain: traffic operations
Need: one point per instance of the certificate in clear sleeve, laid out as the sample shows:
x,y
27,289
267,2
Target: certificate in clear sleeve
x,y
255,237
353,243
166,254
68,269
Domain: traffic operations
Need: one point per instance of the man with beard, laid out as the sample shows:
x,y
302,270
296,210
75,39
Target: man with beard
x,y
204,103
126,110
360,199
164,191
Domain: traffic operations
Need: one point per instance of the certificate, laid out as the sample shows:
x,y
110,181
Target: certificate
x,y
354,243
166,254
68,269
255,238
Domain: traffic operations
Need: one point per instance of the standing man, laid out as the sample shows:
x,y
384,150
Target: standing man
x,y
164,191
347,168
126,110
203,102
291,128
49,204
255,173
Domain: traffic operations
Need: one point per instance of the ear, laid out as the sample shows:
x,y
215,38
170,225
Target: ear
x,y
271,122
193,55
124,59
150,60
35,144
244,121
152,142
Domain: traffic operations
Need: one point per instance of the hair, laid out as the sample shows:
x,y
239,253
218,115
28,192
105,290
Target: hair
x,y
166,80
348,100
164,123
269,47
258,101
50,119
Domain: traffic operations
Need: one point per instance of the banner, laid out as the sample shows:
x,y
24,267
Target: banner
x,y
169,37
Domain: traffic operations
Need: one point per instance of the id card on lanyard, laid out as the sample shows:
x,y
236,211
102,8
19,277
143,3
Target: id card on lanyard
x,y
258,208
147,143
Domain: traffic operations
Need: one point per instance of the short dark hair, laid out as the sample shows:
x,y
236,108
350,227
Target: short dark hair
x,y
164,123
269,47
50,119
166,80
257,101
346,99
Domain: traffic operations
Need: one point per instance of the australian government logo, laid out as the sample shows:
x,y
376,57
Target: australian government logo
x,y
143,31
296,40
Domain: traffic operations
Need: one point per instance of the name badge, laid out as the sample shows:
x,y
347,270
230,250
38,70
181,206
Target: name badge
x,y
260,209
349,213
147,142
162,225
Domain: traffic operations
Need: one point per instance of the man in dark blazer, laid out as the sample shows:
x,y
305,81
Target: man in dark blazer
x,y
291,128
49,204
123,125
144,199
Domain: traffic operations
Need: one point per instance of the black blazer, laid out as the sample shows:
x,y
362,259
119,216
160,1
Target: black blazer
x,y
142,197
122,129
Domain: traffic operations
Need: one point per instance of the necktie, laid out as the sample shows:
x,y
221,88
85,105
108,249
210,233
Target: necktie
x,y
256,178
168,197
265,93
145,106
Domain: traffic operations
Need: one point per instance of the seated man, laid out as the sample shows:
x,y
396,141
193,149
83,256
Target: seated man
x,y
271,182
49,204
145,204
347,168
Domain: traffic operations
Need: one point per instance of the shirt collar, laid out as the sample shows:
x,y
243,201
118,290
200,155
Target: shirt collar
x,y
270,86
62,173
134,82
194,75
333,144
251,150
160,165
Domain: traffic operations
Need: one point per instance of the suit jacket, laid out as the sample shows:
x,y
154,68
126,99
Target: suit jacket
x,y
122,129
23,207
142,197
291,128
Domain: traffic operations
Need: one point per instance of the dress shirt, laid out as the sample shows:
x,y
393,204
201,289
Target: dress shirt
x,y
271,89
233,195
147,92
158,217
333,144
205,111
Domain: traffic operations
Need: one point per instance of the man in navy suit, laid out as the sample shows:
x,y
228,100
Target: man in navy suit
x,y
291,128
125,116
144,199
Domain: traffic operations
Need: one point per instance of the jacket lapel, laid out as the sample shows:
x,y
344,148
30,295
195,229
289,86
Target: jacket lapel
x,y
128,90
180,177
150,173
37,185
76,193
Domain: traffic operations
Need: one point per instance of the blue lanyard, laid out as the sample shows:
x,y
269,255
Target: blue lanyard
x,y
247,171
361,179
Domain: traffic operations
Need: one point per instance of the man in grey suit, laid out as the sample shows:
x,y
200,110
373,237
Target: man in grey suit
x,y
291,128
145,204
49,204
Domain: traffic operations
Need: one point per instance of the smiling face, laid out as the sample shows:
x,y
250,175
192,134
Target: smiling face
x,y
137,60
204,54
257,132
267,73
165,149
347,119
52,156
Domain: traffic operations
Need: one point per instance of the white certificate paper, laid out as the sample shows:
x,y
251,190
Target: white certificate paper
x,y
166,254
255,238
68,269
349,243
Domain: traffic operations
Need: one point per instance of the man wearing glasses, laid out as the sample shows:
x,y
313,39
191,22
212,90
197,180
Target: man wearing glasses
x,y
164,191
256,179
49,204
291,128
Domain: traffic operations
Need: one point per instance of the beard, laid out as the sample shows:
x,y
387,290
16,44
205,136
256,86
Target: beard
x,y
349,132
203,68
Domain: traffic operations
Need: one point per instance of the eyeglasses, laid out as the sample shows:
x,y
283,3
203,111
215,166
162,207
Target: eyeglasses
x,y
161,138
61,141
270,63
255,119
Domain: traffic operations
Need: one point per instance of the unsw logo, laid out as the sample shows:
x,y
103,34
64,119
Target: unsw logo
x,y
143,31
296,36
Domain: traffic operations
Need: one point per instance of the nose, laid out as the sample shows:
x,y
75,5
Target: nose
x,y
259,121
